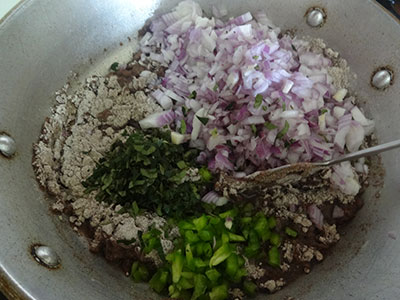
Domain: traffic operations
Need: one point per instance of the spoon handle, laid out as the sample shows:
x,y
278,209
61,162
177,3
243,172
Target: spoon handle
x,y
364,152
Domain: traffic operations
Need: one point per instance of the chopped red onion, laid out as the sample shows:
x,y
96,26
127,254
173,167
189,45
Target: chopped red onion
x,y
243,81
337,212
316,216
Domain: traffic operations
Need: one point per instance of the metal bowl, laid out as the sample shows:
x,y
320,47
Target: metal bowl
x,y
41,41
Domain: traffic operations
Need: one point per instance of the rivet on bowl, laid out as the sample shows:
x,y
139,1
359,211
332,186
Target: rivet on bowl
x,y
45,256
382,78
316,17
7,145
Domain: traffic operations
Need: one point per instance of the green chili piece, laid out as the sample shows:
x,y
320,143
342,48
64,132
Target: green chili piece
x,y
272,222
207,250
177,266
274,257
181,164
191,237
185,283
225,238
220,255
200,286
200,223
219,292
199,263
213,275
262,228
241,261
184,225
134,268
248,209
230,213
159,281
275,239
205,174
232,265
250,288
246,220
235,237
239,275
290,232
189,256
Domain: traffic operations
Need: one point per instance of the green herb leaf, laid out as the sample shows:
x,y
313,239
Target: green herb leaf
x,y
193,95
148,169
264,108
283,106
215,88
294,48
258,101
230,106
181,164
183,126
203,120
254,129
214,132
135,208
114,66
185,111
284,131
205,174
323,111
270,126
255,57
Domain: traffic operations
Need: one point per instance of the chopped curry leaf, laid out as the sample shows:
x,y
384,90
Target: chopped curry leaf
x,y
270,126
254,128
203,120
114,66
193,95
149,170
284,131
183,126
258,101
230,106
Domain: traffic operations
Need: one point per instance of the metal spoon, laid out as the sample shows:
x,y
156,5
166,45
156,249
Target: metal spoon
x,y
347,157
304,169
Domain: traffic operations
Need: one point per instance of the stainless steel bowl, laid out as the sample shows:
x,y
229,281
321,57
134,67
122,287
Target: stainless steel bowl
x,y
41,41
